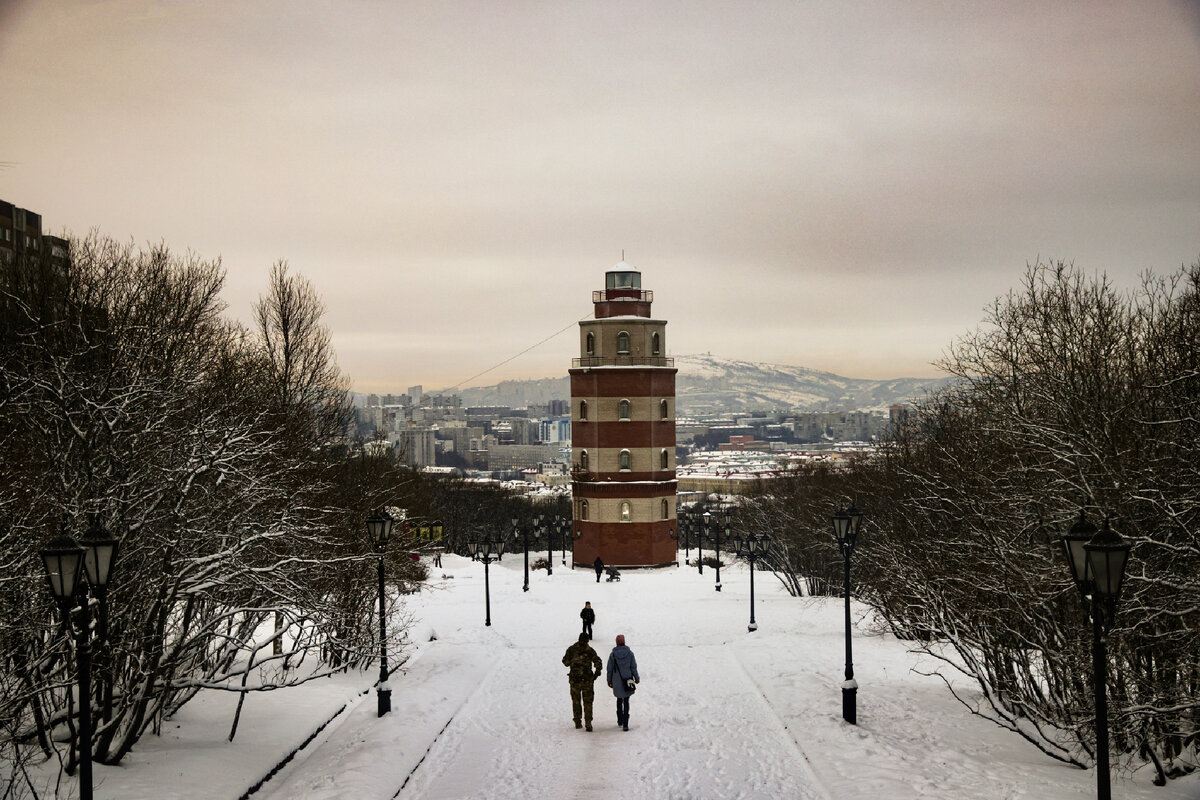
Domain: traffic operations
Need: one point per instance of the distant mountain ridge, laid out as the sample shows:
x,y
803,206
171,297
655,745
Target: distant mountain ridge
x,y
709,383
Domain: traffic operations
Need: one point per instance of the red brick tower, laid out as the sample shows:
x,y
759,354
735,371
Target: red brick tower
x,y
623,430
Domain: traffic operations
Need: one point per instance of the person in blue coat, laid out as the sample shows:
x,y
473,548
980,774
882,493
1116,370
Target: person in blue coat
x,y
622,668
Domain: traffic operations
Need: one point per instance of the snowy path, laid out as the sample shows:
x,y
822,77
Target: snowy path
x,y
484,712
516,739
492,718
365,756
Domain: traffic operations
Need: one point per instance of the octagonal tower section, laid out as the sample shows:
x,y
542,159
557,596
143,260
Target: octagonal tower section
x,y
623,430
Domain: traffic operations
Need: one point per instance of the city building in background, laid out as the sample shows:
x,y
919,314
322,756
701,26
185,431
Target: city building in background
x,y
34,266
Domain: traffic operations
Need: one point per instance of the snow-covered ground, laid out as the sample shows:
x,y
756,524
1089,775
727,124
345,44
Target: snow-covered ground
x,y
484,712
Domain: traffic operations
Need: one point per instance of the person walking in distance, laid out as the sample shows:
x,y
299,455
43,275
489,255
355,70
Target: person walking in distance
x,y
598,565
622,677
589,619
585,667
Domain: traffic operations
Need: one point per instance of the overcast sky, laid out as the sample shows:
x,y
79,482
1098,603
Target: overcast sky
x,y
839,185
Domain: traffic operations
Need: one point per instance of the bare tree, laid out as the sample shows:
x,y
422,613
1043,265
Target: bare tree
x,y
212,454
1071,395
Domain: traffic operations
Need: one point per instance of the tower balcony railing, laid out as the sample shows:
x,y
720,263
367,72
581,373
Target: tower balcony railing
x,y
636,295
623,361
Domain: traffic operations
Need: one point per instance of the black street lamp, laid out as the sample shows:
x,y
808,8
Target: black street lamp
x,y
750,547
846,524
722,521
546,527
379,528
487,550
99,550
1097,560
705,521
685,526
523,532
66,563
564,528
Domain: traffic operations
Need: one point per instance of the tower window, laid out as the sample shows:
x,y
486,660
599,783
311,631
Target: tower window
x,y
625,511
583,460
666,511
655,343
583,410
591,344
623,343
623,410
583,509
625,461
663,409
664,460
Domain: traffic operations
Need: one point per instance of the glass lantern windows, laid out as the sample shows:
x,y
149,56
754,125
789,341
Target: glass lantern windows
x,y
622,280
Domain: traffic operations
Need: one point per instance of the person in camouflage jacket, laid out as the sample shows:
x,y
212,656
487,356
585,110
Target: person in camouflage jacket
x,y
585,667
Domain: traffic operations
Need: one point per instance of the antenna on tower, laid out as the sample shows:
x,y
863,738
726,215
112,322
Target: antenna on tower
x,y
622,253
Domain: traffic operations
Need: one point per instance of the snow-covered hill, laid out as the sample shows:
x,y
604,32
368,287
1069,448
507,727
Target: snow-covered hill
x,y
483,712
708,382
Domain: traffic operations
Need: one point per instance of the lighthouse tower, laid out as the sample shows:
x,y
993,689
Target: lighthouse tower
x,y
623,430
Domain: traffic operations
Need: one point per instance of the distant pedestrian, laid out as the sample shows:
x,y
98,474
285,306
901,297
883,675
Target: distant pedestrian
x,y
585,667
589,619
437,558
598,565
622,677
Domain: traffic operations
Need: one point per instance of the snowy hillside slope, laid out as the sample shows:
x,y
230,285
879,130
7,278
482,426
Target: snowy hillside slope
x,y
483,712
708,382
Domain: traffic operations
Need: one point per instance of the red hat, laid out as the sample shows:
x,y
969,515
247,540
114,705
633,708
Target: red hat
x,y
620,638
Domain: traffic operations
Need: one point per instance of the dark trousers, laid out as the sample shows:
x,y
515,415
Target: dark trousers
x,y
622,710
587,628
582,696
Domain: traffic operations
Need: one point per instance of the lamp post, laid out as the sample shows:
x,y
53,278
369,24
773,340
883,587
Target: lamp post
x,y
846,524
99,550
487,550
1097,560
66,563
686,526
750,547
564,528
379,528
547,526
704,523
724,517
523,532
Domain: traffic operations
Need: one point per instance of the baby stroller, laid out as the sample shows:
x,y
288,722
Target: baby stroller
x,y
612,573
